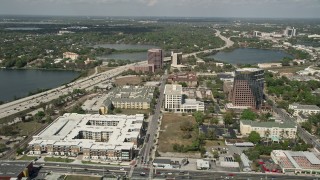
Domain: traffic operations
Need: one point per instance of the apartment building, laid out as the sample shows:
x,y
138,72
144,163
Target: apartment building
x,y
274,129
143,68
99,137
130,97
70,55
304,109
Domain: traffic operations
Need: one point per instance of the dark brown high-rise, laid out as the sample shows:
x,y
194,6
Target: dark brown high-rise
x,y
248,87
155,57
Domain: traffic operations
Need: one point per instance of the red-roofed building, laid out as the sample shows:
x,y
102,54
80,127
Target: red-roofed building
x,y
190,78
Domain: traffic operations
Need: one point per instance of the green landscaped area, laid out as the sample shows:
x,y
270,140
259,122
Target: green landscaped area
x,y
27,158
288,69
209,143
172,134
26,128
134,80
134,111
89,162
58,159
73,177
104,68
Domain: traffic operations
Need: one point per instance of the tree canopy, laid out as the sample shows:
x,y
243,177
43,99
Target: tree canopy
x,y
248,114
254,137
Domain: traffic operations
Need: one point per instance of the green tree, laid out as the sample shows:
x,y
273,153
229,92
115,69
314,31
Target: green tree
x,y
254,137
39,115
248,114
183,84
228,117
214,121
118,110
199,116
186,126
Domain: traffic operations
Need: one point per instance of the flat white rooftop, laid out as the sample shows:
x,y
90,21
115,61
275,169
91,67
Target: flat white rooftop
x,y
64,131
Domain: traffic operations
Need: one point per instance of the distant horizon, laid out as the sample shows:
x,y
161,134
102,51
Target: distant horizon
x,y
292,9
146,16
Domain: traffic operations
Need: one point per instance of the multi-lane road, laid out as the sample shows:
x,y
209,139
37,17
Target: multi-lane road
x,y
120,172
86,83
303,134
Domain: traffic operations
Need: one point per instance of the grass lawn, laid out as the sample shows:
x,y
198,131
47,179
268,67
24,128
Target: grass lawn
x,y
134,111
104,69
210,143
170,132
27,158
74,177
135,80
26,128
89,162
289,69
58,159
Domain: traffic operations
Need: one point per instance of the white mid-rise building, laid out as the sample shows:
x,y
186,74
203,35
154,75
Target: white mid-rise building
x,y
173,97
175,102
176,58
304,109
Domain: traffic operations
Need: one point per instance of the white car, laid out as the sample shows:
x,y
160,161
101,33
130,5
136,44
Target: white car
x,y
121,169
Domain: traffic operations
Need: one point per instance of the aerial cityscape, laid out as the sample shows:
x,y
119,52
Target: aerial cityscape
x,y
159,89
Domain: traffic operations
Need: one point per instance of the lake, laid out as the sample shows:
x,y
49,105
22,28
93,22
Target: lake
x,y
125,46
250,56
18,83
23,28
137,56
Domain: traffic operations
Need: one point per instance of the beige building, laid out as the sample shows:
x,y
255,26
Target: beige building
x,y
275,129
269,65
98,137
304,109
130,97
70,55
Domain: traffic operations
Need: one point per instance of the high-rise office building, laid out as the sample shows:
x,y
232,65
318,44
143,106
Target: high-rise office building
x,y
290,32
176,58
248,87
155,57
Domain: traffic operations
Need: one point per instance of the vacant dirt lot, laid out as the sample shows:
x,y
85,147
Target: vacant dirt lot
x,y
134,80
171,133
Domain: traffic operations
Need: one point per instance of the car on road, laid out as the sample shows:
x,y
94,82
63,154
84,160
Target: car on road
x,y
121,169
142,174
169,173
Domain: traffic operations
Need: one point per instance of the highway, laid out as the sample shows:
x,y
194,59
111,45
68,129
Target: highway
x,y
228,43
90,169
86,83
117,171
215,175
